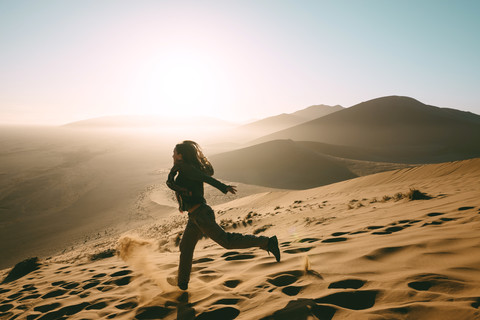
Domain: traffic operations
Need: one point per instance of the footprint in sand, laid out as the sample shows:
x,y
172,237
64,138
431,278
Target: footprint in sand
x,y
286,278
424,282
28,287
121,273
235,255
434,214
97,306
202,260
5,307
303,309
394,227
90,284
225,313
69,285
100,275
448,219
232,283
298,250
465,208
347,284
337,239
32,296
47,307
292,290
119,282
65,311
309,240
15,296
354,300
153,312
54,293
285,244
420,285
127,305
227,301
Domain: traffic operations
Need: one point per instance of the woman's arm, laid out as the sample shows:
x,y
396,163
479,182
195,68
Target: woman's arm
x,y
196,174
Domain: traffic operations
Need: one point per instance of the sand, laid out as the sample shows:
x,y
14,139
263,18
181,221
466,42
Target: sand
x,y
357,249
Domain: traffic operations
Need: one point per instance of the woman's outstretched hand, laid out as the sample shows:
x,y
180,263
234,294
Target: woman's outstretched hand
x,y
232,189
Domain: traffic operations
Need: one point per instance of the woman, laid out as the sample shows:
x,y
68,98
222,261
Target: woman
x,y
190,170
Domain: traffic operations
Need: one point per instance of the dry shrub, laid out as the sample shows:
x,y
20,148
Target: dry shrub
x,y
415,194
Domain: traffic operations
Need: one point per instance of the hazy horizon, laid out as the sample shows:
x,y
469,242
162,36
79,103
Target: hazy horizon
x,y
67,61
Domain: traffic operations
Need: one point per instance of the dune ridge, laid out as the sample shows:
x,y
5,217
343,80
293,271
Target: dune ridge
x,y
350,250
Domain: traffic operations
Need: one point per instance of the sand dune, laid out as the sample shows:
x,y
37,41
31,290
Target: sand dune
x,y
357,249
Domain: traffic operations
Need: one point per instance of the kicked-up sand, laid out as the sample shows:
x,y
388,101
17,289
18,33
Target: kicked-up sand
x,y
402,244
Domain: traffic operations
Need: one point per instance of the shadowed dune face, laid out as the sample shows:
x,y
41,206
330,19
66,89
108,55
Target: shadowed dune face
x,y
410,129
280,164
298,165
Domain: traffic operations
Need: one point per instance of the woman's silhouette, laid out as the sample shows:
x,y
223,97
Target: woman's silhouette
x,y
190,170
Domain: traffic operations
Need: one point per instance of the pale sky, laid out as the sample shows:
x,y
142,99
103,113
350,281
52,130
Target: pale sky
x,y
62,61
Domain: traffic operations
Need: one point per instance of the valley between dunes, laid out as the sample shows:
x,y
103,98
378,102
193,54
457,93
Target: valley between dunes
x,y
357,249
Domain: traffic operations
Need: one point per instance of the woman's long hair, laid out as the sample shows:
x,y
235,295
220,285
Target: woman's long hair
x,y
192,154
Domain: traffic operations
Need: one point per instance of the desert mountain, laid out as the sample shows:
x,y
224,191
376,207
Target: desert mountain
x,y
404,127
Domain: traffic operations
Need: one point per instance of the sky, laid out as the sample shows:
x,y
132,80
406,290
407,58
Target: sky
x,y
62,61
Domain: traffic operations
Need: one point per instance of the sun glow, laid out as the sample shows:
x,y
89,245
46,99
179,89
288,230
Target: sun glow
x,y
180,84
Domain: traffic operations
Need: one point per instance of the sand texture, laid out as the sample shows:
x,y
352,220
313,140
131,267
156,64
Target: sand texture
x,y
357,249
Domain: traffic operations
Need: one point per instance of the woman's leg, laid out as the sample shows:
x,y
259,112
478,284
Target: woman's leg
x,y
204,217
190,237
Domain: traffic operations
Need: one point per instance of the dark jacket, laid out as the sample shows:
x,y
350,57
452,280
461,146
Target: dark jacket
x,y
187,182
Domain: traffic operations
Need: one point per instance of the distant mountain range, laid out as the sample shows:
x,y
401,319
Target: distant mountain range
x,y
373,136
405,128
146,121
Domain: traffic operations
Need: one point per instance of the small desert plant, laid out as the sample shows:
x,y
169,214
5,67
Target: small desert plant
x,y
415,194
398,196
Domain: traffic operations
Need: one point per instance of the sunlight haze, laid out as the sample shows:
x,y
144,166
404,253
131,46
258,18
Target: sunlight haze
x,y
66,61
